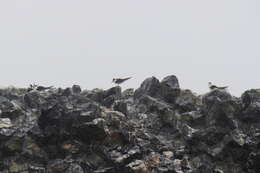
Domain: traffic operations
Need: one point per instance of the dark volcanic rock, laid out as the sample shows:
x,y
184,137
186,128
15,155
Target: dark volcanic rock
x,y
188,101
120,106
76,89
221,109
159,128
170,88
150,86
251,106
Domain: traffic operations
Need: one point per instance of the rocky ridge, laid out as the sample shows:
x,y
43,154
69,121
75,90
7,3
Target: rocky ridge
x,y
157,128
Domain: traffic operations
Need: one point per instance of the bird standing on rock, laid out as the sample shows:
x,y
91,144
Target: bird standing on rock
x,y
119,80
38,87
211,86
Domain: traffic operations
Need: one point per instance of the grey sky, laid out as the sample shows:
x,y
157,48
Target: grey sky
x,y
61,42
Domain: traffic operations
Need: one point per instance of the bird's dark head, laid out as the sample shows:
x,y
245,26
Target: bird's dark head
x,y
113,80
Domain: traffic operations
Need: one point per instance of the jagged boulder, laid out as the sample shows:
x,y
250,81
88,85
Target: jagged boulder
x,y
150,86
138,166
251,106
76,89
215,96
128,93
170,88
220,109
188,101
111,95
95,95
120,106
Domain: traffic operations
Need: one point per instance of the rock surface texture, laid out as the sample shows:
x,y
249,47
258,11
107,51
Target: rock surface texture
x,y
157,128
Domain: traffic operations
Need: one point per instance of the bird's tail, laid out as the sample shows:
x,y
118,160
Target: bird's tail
x,y
128,78
223,87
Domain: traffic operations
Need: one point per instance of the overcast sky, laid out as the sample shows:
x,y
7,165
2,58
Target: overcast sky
x,y
62,42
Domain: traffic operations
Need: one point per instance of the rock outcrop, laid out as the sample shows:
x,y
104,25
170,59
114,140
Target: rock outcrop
x,y
157,128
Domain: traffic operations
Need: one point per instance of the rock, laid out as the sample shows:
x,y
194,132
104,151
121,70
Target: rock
x,y
67,92
238,137
113,118
153,104
168,154
14,144
57,166
36,168
177,165
89,131
128,93
221,108
96,95
5,123
31,149
16,167
171,118
93,161
253,162
251,106
121,156
170,88
10,109
187,131
72,146
5,103
150,86
196,118
250,96
76,89
215,96
120,106
171,81
34,99
217,171
137,166
88,112
74,168
187,101
111,95
104,170
211,140
115,91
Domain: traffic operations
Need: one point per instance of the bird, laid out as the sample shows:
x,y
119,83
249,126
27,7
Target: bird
x,y
42,88
120,80
38,87
212,87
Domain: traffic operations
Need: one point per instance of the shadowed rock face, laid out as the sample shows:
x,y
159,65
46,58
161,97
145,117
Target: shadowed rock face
x,y
157,128
150,86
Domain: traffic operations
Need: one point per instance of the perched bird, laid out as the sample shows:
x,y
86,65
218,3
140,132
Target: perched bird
x,y
38,87
119,80
211,86
42,88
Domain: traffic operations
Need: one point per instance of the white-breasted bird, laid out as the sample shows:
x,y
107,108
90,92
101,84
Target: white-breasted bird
x,y
211,86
